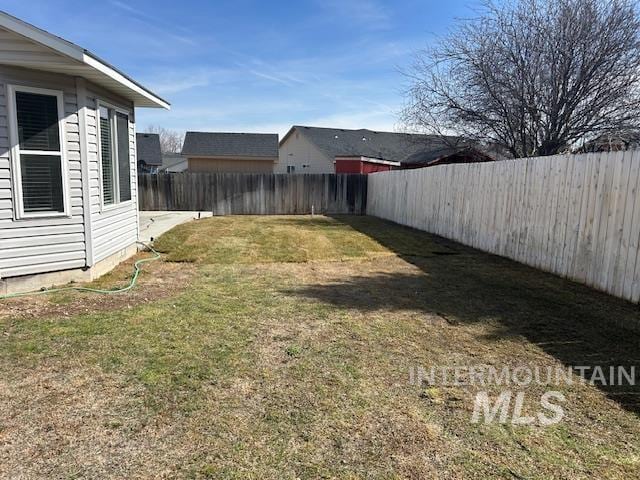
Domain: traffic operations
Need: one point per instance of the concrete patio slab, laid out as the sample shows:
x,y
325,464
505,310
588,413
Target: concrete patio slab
x,y
154,224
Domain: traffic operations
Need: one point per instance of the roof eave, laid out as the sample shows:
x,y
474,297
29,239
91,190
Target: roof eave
x,y
141,96
149,99
287,135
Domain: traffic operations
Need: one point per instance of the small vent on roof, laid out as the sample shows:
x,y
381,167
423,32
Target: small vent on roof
x,y
335,136
364,139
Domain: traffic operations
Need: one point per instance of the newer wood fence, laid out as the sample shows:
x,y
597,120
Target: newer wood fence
x,y
577,216
259,194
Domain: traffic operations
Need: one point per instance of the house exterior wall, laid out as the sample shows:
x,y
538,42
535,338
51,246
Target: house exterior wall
x,y
89,234
360,166
173,163
297,151
177,167
368,167
349,166
229,165
39,245
114,227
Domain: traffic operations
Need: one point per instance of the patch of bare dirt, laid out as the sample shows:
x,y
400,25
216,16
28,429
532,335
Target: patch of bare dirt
x,y
158,280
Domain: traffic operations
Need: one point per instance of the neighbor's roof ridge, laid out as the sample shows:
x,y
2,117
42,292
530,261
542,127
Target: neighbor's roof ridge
x,y
230,144
393,146
230,133
311,127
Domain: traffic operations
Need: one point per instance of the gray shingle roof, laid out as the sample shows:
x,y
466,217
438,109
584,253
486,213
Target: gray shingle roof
x,y
231,144
410,149
148,148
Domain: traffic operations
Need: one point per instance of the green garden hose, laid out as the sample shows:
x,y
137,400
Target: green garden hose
x,y
132,283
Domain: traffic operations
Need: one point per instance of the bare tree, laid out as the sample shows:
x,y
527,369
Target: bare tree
x,y
534,77
170,140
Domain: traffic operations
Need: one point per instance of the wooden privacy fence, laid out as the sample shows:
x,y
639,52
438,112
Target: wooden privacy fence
x,y
575,215
258,194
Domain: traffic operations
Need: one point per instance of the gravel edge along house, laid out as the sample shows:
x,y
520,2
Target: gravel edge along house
x,y
68,200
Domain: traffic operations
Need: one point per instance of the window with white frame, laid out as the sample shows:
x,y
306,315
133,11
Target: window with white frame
x,y
113,128
37,151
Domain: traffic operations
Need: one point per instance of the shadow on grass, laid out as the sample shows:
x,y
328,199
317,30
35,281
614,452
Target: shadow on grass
x,y
575,324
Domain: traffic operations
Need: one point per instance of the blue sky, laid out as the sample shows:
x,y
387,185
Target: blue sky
x,y
256,66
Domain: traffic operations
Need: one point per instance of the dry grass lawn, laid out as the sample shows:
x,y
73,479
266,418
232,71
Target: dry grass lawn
x,y
280,347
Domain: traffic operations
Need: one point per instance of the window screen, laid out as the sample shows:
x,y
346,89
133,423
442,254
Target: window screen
x,y
37,121
40,155
124,165
114,151
41,183
107,154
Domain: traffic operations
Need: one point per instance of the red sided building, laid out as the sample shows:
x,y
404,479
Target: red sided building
x,y
360,164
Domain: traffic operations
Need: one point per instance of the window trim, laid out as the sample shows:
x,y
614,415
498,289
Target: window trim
x,y
116,165
16,173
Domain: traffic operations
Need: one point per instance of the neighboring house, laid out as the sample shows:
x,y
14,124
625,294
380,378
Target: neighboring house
x,y
338,150
445,154
173,163
231,152
612,142
360,164
68,204
149,152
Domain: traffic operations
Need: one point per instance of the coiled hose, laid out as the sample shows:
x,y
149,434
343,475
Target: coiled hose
x,y
132,283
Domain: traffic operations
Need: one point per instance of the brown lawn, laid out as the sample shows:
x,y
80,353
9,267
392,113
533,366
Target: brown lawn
x,y
280,347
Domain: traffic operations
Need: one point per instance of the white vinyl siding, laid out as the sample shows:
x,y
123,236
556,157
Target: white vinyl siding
x,y
115,227
301,154
39,245
22,240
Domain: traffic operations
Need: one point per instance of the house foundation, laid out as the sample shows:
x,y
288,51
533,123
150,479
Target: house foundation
x,y
39,281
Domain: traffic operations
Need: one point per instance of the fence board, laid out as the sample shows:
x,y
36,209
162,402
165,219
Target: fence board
x,y
575,215
631,227
253,194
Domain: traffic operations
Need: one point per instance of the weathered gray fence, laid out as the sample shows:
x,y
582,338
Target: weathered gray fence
x,y
575,215
254,194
